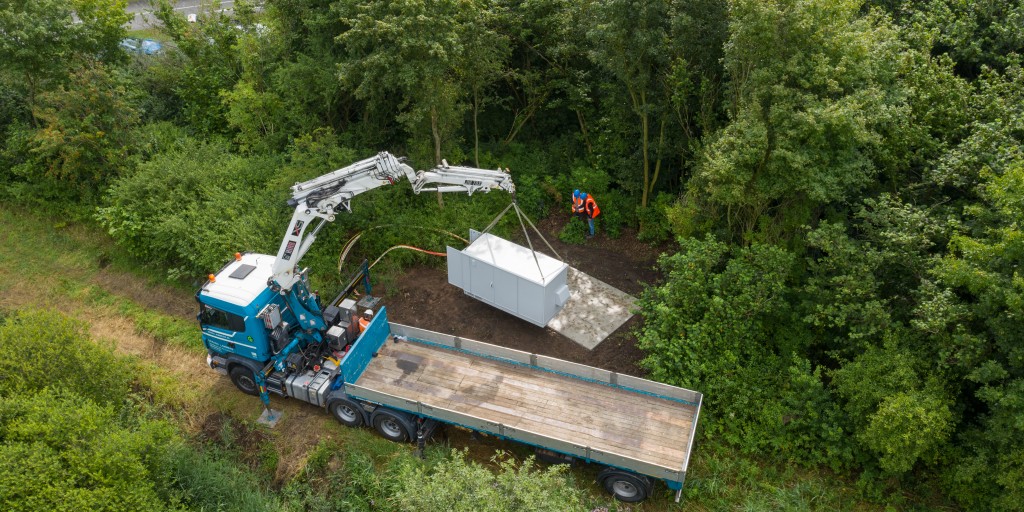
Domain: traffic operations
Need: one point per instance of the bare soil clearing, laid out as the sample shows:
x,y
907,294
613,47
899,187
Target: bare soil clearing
x,y
425,299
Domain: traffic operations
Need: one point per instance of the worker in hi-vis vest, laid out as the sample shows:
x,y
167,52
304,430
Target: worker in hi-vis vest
x,y
364,322
577,205
591,210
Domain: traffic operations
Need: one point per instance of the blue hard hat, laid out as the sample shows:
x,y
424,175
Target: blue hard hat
x,y
576,193
583,195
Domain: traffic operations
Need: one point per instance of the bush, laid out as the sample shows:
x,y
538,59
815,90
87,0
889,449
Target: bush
x,y
40,349
62,451
590,180
205,482
617,211
574,232
710,327
456,484
193,206
654,226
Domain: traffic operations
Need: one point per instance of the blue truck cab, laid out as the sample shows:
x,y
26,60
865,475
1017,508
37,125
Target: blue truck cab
x,y
262,338
229,306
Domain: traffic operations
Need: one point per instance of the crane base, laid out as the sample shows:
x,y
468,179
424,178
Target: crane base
x,y
270,417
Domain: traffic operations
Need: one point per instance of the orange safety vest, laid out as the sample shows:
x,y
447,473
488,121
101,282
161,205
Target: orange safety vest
x,y
577,205
363,324
591,208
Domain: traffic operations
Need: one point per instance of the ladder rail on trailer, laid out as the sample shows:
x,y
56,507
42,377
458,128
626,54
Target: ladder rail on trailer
x,y
592,414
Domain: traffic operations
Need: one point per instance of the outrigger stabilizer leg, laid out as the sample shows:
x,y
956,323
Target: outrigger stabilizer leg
x,y
270,417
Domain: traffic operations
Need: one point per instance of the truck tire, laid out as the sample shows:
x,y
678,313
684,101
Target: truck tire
x,y
392,426
625,486
244,380
347,412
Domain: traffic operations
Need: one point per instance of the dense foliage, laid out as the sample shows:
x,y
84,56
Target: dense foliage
x,y
81,438
839,182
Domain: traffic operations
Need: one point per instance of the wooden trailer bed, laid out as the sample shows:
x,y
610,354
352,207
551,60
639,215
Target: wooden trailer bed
x,y
561,406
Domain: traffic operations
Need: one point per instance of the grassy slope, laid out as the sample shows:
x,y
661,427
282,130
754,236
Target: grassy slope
x,y
77,270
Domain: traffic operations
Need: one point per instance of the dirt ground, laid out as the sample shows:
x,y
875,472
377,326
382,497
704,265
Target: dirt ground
x,y
426,300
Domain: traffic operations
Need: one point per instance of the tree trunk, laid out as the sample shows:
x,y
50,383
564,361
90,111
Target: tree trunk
x,y
647,159
657,162
436,132
584,131
476,130
640,107
32,99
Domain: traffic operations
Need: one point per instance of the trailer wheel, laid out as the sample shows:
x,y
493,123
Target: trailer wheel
x,y
347,412
625,486
244,380
391,426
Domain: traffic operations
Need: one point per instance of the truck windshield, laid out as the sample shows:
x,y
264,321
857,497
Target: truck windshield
x,y
214,317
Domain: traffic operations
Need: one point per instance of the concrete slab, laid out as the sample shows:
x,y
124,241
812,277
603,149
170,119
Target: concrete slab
x,y
595,310
270,417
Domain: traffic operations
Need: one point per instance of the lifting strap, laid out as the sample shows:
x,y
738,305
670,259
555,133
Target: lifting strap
x,y
522,215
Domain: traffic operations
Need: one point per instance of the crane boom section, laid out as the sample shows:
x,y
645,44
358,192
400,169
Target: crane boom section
x,y
452,178
316,201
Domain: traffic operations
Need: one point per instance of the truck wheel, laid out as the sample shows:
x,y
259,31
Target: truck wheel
x,y
244,381
391,426
347,412
625,486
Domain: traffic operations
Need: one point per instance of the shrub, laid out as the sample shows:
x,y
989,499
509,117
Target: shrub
x,y
456,484
40,349
654,226
617,211
62,451
206,482
193,206
574,232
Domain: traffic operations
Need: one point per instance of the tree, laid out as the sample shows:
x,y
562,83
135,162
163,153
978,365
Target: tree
x,y
629,38
41,38
207,63
714,326
980,282
191,207
809,86
84,140
484,63
549,67
413,50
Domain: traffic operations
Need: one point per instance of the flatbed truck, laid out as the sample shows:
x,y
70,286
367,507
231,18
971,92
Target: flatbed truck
x,y
397,378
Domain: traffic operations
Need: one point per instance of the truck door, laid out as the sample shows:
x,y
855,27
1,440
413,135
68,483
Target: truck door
x,y
224,332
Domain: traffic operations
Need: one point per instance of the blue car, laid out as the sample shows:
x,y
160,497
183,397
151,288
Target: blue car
x,y
141,46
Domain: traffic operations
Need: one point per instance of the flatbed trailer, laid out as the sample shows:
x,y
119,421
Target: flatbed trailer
x,y
640,429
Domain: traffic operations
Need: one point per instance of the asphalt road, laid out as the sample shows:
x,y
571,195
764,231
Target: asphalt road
x,y
143,11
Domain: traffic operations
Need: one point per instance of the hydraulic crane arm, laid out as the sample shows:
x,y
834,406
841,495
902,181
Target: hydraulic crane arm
x,y
451,178
316,201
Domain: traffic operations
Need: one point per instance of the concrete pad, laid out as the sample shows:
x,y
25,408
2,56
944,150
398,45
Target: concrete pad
x,y
595,309
270,417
